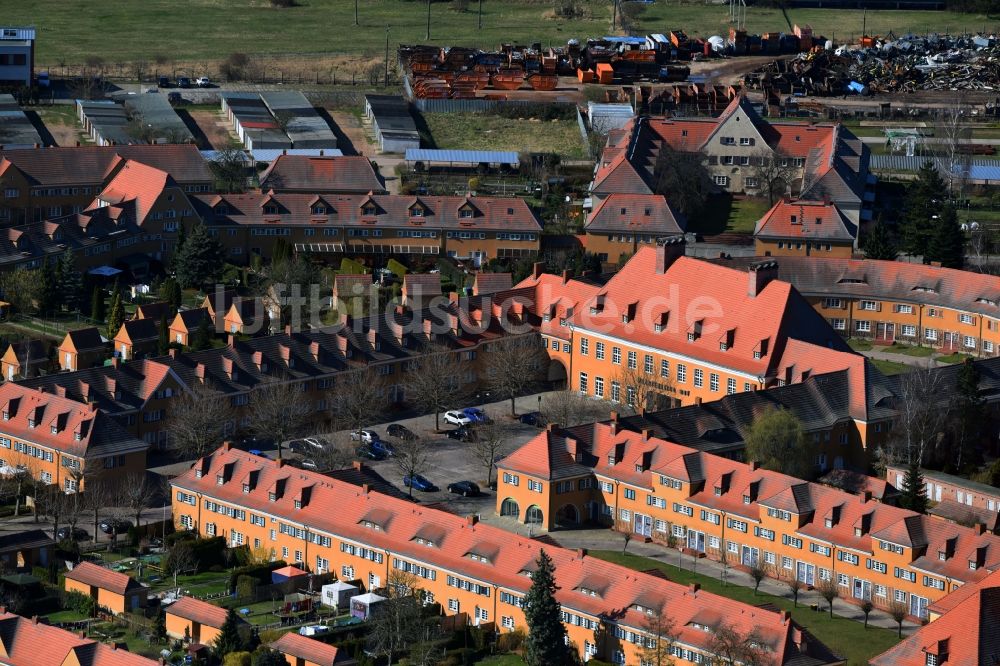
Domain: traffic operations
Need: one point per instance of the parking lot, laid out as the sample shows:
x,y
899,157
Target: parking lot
x,y
449,460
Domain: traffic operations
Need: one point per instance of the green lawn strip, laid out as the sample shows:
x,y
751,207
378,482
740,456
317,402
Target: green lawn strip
x,y
891,367
956,357
67,615
501,660
920,352
66,33
475,131
845,637
858,344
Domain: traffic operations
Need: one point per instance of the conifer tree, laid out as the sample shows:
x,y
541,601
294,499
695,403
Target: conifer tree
x,y
913,497
202,336
229,639
48,292
925,197
170,292
70,281
98,311
546,641
200,259
163,344
879,244
971,415
946,243
116,317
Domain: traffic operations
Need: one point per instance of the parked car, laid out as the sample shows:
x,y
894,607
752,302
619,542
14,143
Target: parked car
x,y
531,418
400,432
43,80
203,82
418,482
78,534
314,630
464,488
308,463
463,434
183,82
383,446
317,443
115,525
298,446
475,415
175,98
364,436
368,453
456,417
258,452
162,82
258,443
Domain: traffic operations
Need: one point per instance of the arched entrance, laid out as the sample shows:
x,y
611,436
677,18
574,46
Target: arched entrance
x,y
534,515
568,515
510,508
556,375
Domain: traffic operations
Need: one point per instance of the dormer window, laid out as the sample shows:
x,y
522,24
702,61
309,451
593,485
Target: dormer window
x,y
624,211
647,211
756,354
857,531
270,209
416,211
819,220
220,479
246,488
368,210
510,211
973,565
746,499
319,209
77,436
942,555
657,328
795,219
464,214
6,415
272,497
54,429
297,504
31,423
198,474
828,523
718,491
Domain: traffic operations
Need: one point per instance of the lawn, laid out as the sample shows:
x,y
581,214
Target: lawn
x,y
859,344
891,367
956,357
476,131
843,636
502,660
919,352
72,30
723,213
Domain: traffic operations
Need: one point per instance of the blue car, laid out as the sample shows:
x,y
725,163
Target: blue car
x,y
475,415
382,446
418,482
531,418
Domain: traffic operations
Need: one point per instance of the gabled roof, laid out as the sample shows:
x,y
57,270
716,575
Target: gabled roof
x,y
89,165
189,319
421,284
105,579
156,311
636,213
139,184
546,456
27,539
301,173
492,283
139,330
305,648
84,339
198,611
967,633
806,220
25,642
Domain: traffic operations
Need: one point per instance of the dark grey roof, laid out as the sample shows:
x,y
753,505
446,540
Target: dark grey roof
x,y
25,539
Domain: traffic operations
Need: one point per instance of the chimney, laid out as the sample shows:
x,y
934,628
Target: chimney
x,y
581,553
282,462
453,324
258,360
566,275
314,350
34,618
227,445
199,372
172,352
231,341
227,366
552,427
980,527
397,330
646,432
760,273
288,329
865,496
573,447
428,328
342,344
116,362
372,337
786,617
471,519
694,587
285,352
400,309
537,269
754,465
365,488
668,250
358,465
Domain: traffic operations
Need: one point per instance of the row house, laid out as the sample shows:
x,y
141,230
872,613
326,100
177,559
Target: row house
x,y
888,301
464,227
471,569
26,358
312,174
62,441
954,498
117,592
139,212
622,223
743,152
28,642
139,394
673,330
746,516
82,348
805,228
56,182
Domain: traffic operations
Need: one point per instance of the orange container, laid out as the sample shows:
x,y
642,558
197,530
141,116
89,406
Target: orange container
x,y
605,73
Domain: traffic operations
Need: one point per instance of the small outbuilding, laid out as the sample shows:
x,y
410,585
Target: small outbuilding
x,y
363,606
285,574
338,594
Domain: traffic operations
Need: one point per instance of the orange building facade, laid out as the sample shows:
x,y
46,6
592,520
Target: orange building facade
x,y
709,506
468,567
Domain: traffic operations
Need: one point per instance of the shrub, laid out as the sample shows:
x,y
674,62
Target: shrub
x,y
398,269
237,658
81,603
259,573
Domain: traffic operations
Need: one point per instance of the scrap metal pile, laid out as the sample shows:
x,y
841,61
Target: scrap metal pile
x,y
907,64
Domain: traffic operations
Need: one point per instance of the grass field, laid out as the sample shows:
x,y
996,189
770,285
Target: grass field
x,y
72,30
475,131
891,367
845,637
724,214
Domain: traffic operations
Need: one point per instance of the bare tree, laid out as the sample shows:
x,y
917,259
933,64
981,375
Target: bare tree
x,y
662,629
97,496
866,607
640,390
358,398
829,590
953,134
921,417
134,492
490,446
398,623
774,173
514,363
898,612
794,586
181,558
279,411
432,383
569,408
412,458
338,454
757,571
197,422
730,646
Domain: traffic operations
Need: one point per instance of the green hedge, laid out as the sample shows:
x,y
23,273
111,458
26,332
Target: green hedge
x,y
398,269
259,572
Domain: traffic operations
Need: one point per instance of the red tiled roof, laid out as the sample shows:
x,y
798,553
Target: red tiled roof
x,y
805,220
309,649
492,283
967,633
88,165
301,173
514,553
138,183
346,286
106,579
198,611
636,213
27,643
422,284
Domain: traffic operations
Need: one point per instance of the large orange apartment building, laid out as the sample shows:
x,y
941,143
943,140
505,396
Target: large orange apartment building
x,y
682,329
62,441
710,506
805,228
468,567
